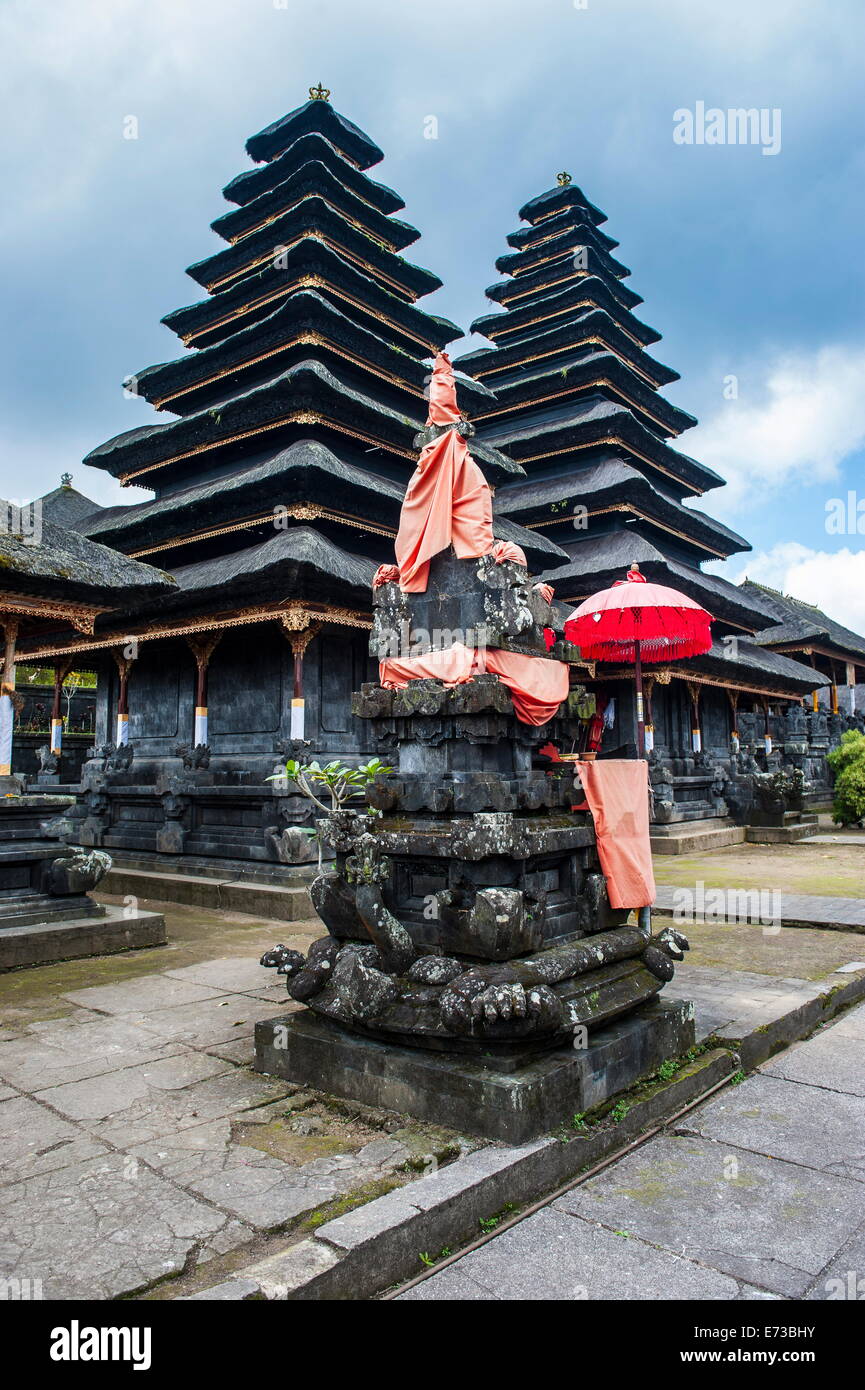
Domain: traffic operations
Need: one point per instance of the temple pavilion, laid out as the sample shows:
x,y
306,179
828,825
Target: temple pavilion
x,y
283,438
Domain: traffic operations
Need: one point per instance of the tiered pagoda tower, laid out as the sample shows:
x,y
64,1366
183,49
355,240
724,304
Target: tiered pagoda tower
x,y
578,404
278,478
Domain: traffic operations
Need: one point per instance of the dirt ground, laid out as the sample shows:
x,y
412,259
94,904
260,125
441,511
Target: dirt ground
x,y
811,866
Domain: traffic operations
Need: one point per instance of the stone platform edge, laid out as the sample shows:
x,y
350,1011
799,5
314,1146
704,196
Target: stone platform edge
x,y
48,943
369,1250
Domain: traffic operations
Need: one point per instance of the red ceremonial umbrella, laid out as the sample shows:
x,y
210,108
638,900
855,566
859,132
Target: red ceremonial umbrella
x,y
638,621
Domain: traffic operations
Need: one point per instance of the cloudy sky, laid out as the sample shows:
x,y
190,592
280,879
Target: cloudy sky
x,y
750,264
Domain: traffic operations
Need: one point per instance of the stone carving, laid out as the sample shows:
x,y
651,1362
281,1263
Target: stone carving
x,y
466,908
76,871
48,761
193,757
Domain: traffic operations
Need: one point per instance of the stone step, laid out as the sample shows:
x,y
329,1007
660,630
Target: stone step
x,y
696,837
781,834
258,899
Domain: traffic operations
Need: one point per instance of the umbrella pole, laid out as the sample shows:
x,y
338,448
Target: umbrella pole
x,y
641,723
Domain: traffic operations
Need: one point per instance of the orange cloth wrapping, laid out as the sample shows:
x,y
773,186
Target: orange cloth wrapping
x,y
618,795
452,667
506,550
448,500
385,574
537,686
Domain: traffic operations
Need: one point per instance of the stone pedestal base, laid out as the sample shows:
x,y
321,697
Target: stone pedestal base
x,y
513,1098
112,930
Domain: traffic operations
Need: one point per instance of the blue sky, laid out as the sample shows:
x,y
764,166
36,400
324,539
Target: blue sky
x,y
750,265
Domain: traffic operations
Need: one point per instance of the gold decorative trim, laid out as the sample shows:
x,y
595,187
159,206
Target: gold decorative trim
x,y
592,339
635,511
311,338
283,212
298,417
80,616
569,309
587,387
307,282
620,444
286,614
312,234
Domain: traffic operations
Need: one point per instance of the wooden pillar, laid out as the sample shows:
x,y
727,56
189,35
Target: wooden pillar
x,y
767,737
202,649
733,697
7,696
851,686
299,642
124,666
649,730
696,732
61,671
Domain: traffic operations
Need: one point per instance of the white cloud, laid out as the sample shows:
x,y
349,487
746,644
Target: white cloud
x,y
833,582
809,416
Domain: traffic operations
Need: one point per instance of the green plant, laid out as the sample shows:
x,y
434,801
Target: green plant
x,y
619,1111
667,1070
335,780
847,761
578,1122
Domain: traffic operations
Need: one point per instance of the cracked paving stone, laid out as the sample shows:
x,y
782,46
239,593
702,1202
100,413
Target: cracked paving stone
x,y
136,996
259,1188
833,1060
157,1114
770,1223
229,974
34,1141
72,1051
119,1091
207,1022
782,1119
105,1228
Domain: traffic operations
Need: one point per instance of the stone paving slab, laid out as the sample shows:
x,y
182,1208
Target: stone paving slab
x,y
553,1255
68,1050
101,1096
788,908
804,1124
844,1279
139,995
830,1060
33,1140
731,1004
106,1227
229,974
261,1189
154,1117
770,1223
220,1019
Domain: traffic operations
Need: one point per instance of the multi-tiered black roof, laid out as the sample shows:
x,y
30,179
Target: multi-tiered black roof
x,y
578,404
303,388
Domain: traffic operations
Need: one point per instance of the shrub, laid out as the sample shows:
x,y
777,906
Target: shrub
x,y
847,761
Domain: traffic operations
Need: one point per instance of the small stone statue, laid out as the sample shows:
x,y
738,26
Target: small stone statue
x,y
48,762
76,871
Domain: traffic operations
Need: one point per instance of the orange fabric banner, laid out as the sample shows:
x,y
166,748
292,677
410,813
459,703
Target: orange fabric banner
x,y
453,666
448,500
537,686
618,795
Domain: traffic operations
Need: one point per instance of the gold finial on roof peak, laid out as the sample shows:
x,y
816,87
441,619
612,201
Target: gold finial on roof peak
x,y
319,93
563,179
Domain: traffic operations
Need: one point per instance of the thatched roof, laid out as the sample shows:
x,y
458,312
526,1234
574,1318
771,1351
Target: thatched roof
x,y
253,183
61,563
320,117
612,480
796,621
